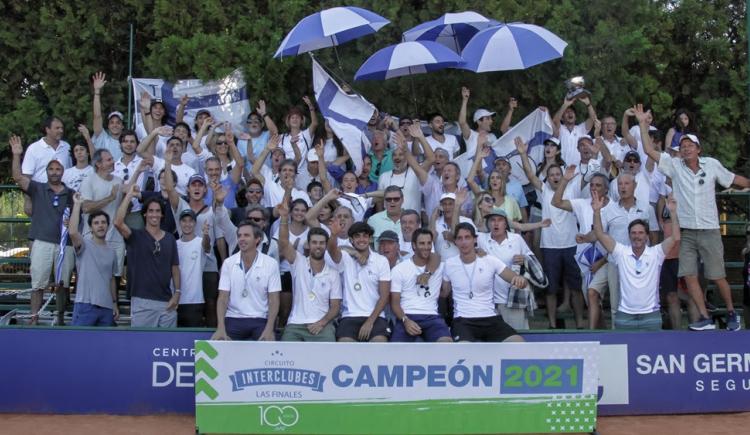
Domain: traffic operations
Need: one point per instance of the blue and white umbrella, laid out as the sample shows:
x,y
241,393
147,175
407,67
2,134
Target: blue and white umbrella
x,y
329,28
511,46
454,30
407,58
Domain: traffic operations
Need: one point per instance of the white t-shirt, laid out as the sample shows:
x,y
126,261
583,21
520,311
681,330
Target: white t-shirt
x,y
183,171
617,148
585,215
409,184
562,232
471,142
39,154
273,194
451,144
443,247
192,260
512,245
161,141
416,299
473,285
96,188
361,283
312,293
639,278
248,290
214,232
305,143
297,242
73,177
569,143
358,211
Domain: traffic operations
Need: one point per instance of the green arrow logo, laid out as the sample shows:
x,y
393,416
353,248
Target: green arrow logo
x,y
206,348
204,386
202,366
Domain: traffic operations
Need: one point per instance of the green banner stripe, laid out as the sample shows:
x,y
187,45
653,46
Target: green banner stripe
x,y
419,417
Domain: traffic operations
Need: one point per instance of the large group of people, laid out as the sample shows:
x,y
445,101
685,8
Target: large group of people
x,y
270,229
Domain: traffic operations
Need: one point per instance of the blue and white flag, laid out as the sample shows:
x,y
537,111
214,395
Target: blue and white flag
x,y
347,114
534,129
226,99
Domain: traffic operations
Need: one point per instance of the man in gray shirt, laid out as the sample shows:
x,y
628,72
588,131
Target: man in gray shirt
x,y
96,294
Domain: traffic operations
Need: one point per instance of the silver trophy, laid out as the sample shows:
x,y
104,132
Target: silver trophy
x,y
575,88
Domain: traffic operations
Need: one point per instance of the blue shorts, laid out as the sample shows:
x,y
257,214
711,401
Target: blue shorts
x,y
244,328
561,268
433,328
92,315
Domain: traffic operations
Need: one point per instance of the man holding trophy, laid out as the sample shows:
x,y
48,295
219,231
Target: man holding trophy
x,y
564,121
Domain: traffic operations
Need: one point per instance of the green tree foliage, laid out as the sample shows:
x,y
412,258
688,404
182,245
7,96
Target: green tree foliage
x,y
669,54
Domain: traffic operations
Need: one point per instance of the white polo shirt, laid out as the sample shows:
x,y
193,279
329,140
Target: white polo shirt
x,y
639,278
192,260
416,299
312,293
562,232
273,194
617,148
616,218
504,251
361,283
696,192
451,144
248,290
569,142
642,188
443,247
473,285
39,154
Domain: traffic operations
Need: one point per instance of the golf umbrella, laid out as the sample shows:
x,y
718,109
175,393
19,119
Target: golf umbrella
x,y
511,46
329,28
407,58
452,30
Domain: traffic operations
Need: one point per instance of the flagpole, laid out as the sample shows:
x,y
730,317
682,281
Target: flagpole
x,y
130,78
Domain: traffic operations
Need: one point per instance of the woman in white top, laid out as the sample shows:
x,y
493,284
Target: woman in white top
x,y
297,235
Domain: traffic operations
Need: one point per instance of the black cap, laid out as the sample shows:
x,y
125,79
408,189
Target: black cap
x,y
388,235
632,154
360,227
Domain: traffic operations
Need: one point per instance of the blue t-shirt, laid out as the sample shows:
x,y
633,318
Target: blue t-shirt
x,y
230,201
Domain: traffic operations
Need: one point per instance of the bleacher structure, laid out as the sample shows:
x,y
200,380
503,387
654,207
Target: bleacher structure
x,y
15,279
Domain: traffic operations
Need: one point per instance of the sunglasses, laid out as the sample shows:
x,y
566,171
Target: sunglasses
x,y
157,248
254,191
489,199
392,199
221,142
255,219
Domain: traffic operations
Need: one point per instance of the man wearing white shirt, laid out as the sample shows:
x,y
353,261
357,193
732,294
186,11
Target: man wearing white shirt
x,y
105,139
48,148
414,295
638,267
192,251
316,286
445,222
403,173
174,150
511,249
367,285
275,188
248,291
483,119
125,169
694,181
558,242
631,164
438,138
564,127
410,222
470,279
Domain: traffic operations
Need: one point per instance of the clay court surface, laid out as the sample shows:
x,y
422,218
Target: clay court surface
x,y
719,424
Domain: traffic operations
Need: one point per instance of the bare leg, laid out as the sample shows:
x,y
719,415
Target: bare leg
x,y
36,303
696,294
552,310
285,307
576,300
673,305
595,308
514,339
726,292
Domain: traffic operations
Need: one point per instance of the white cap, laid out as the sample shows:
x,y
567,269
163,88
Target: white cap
x,y
481,113
312,156
691,137
117,114
448,195
552,139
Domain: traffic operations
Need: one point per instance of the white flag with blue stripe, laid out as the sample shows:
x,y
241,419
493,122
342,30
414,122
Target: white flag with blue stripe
x,y
347,114
534,129
226,99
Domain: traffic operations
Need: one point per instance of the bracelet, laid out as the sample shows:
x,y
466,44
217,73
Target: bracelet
x,y
264,115
178,291
286,222
147,113
404,319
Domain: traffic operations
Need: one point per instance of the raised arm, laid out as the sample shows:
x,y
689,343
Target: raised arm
x,y
99,80
465,128
122,210
180,115
648,147
505,125
591,112
421,170
311,217
286,250
670,241
557,119
270,125
16,148
169,183
625,127
239,161
202,132
333,243
272,144
87,138
557,198
313,114
481,154
600,146
523,149
146,147
75,217
608,242
145,104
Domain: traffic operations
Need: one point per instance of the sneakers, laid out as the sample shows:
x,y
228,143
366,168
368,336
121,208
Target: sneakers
x,y
703,324
733,322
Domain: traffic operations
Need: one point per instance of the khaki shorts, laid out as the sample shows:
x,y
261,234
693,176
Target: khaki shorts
x,y
606,278
43,259
705,245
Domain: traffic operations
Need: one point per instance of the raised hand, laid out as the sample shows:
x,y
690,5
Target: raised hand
x,y
597,127
400,139
465,93
77,198
84,131
415,130
307,101
639,114
145,101
585,100
461,195
570,172
512,103
521,146
164,130
99,80
184,100
228,134
672,205
597,201
16,147
220,193
273,143
261,108
283,209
